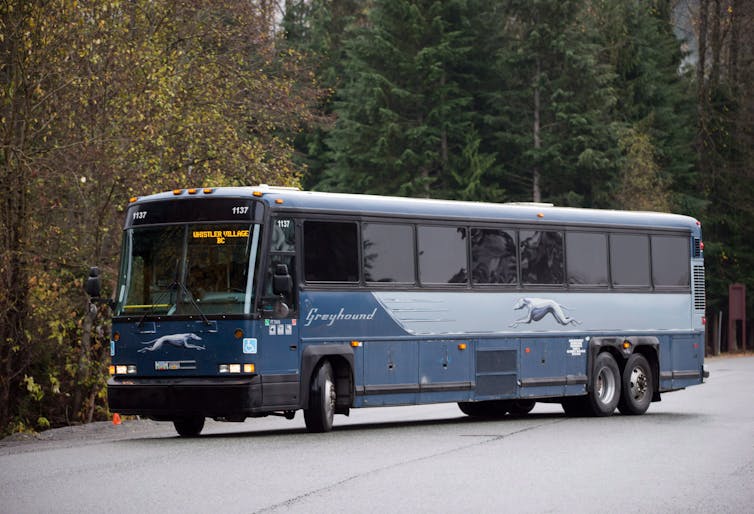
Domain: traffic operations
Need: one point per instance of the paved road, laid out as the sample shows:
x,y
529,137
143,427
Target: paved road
x,y
693,452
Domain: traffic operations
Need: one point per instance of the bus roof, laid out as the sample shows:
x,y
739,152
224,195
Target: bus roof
x,y
291,199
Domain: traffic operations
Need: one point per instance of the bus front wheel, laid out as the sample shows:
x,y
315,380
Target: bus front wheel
x,y
319,415
189,426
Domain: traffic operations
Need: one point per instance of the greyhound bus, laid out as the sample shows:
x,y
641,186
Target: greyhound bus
x,y
254,301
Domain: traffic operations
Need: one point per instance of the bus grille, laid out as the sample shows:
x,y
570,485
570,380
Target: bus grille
x,y
697,247
699,302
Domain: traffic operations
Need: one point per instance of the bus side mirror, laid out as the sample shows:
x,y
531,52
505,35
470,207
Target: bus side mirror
x,y
93,284
282,283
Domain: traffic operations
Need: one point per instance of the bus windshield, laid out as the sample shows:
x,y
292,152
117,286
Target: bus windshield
x,y
188,269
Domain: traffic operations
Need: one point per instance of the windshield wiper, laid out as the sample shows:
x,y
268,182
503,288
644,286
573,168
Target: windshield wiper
x,y
172,287
154,305
193,302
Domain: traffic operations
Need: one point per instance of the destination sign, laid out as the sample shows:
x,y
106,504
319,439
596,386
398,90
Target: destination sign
x,y
194,210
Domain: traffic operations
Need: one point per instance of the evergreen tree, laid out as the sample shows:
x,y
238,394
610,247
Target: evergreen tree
x,y
406,120
317,28
654,107
552,109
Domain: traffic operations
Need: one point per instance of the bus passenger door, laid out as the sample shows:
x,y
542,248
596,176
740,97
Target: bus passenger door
x,y
278,334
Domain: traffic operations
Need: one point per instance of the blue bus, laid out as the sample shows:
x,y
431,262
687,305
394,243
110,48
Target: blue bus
x,y
254,301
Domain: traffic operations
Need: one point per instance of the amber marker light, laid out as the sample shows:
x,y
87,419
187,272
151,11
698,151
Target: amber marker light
x,y
192,191
355,344
208,190
238,334
461,346
111,369
133,199
626,345
279,201
540,215
177,191
258,194
249,368
116,336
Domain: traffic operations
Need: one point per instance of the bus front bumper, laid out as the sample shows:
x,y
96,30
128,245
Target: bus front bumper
x,y
231,397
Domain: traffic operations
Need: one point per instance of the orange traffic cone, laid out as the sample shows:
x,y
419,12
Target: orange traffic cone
x,y
116,418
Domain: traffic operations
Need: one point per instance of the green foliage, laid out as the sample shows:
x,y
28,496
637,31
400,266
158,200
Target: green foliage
x,y
407,104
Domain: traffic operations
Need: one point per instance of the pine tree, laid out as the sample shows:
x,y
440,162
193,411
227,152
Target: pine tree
x,y
406,120
654,103
317,29
551,111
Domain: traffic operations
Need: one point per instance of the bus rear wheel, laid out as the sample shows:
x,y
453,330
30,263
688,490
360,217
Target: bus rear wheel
x,y
189,426
319,415
605,387
638,386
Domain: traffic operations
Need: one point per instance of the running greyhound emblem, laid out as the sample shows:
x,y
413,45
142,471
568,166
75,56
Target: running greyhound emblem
x,y
538,308
177,340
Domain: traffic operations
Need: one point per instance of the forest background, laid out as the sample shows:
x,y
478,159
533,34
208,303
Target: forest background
x,y
630,104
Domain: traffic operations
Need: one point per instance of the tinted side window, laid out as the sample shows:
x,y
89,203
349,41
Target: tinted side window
x,y
388,252
442,255
586,258
541,257
493,256
629,260
670,261
331,251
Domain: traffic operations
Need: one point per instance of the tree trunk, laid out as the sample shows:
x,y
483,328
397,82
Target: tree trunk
x,y
536,192
82,372
716,43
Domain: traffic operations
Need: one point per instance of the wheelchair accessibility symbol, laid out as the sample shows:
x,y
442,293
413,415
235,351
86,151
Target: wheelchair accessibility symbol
x,y
249,345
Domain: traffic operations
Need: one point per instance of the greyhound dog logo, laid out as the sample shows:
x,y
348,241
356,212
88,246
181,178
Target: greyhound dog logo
x,y
538,308
177,340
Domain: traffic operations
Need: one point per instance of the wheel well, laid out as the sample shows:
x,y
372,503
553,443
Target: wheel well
x,y
343,383
650,353
341,359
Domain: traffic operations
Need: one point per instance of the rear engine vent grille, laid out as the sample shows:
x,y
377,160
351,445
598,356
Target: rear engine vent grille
x,y
699,302
697,247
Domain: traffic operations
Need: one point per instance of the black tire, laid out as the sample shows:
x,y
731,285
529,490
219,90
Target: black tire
x,y
605,386
190,426
520,407
319,415
486,409
638,386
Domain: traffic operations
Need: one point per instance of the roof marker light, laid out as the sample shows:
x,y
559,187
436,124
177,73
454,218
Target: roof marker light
x,y
258,194
133,199
177,191
192,191
208,190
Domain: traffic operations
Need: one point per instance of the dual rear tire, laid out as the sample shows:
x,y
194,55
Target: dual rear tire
x,y
630,392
